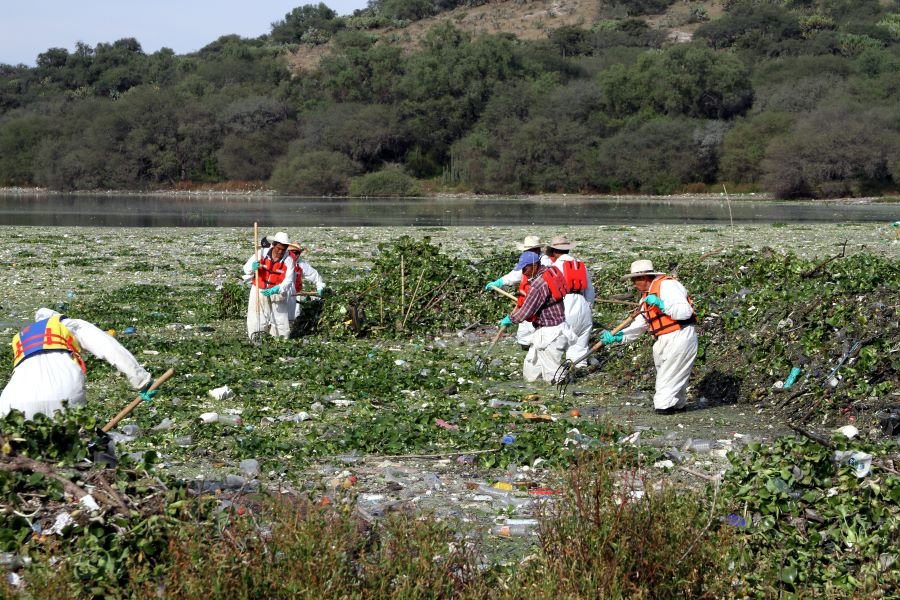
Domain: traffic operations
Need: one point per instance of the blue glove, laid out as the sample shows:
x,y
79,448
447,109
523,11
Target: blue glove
x,y
255,265
270,292
506,322
655,300
607,338
497,283
147,395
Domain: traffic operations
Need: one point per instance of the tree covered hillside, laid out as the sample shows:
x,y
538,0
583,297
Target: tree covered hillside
x,y
793,97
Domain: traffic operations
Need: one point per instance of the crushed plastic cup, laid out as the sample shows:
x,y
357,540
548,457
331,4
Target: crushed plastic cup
x,y
860,462
222,393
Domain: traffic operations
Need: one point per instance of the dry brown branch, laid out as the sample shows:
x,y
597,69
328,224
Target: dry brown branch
x,y
23,463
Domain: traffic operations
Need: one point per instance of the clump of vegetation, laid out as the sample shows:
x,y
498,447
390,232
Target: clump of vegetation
x,y
807,523
414,287
390,182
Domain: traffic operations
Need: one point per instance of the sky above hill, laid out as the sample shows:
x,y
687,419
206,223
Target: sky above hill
x,y
30,28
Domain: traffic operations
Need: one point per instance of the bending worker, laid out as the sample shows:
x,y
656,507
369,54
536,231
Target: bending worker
x,y
668,314
48,370
580,299
543,307
302,270
272,289
531,243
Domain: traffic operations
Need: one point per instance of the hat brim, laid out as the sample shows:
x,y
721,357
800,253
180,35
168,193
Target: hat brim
x,y
523,247
650,273
568,246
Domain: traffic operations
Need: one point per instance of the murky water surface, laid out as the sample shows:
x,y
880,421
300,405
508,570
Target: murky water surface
x,y
109,210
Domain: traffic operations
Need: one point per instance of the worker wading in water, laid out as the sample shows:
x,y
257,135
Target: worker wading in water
x,y
272,273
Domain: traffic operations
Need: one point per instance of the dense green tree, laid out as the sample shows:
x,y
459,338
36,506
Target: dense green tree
x,y
447,84
361,71
316,173
745,145
759,29
20,137
310,24
661,155
836,151
687,79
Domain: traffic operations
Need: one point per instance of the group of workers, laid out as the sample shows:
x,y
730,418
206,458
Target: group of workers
x,y
553,314
276,273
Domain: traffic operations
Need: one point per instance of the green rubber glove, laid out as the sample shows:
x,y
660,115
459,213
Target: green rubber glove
x,y
270,292
655,300
497,283
320,291
608,338
506,322
147,395
255,265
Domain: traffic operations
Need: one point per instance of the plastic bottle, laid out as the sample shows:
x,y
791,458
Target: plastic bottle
x,y
791,378
230,420
494,403
513,530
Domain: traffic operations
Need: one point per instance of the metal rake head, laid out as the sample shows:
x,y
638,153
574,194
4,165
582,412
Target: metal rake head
x,y
564,375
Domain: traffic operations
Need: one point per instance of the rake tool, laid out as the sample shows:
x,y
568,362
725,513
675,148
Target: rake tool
x,y
481,361
565,374
102,440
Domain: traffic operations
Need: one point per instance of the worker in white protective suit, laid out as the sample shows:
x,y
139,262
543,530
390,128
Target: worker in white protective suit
x,y
543,307
271,271
579,302
48,371
531,243
668,314
302,271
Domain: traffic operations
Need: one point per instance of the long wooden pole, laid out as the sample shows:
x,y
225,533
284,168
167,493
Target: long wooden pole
x,y
125,411
255,279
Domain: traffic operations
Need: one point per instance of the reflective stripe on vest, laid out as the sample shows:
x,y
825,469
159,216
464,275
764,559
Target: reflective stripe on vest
x,y
658,322
48,335
576,275
270,272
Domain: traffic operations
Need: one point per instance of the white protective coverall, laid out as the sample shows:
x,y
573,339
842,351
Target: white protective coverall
x,y
525,330
579,317
274,311
545,353
310,275
42,382
673,353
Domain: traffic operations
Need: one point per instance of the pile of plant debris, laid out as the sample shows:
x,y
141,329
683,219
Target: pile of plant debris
x,y
415,287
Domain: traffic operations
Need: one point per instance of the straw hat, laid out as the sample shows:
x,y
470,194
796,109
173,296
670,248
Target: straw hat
x,y
530,241
560,242
295,247
639,268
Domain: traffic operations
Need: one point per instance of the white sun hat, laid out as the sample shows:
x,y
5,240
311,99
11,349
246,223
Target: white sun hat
x,y
642,267
279,238
530,241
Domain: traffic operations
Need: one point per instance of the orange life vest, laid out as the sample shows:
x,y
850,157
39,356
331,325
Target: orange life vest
x,y
658,322
270,272
575,274
47,335
298,270
556,282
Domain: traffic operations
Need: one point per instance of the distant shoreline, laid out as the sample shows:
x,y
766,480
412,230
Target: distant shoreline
x,y
267,193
